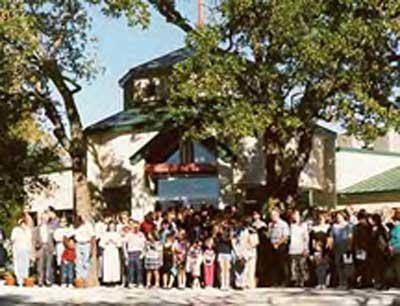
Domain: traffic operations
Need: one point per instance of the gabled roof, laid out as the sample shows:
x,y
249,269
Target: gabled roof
x,y
387,181
165,61
126,120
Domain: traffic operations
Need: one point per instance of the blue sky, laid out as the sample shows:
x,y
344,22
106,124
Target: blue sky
x,y
118,49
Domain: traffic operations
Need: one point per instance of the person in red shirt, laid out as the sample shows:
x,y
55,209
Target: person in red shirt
x,y
148,224
68,263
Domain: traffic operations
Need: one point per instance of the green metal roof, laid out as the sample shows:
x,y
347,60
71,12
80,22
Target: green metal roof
x,y
162,62
129,119
384,182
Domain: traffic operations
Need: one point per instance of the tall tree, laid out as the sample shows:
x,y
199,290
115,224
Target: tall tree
x,y
54,48
19,156
55,51
272,69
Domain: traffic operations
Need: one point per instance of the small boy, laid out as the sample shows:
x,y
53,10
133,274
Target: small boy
x,y
67,263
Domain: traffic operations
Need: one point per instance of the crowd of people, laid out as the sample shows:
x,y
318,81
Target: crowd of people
x,y
182,248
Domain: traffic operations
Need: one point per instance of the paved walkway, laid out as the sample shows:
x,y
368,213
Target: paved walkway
x,y
120,296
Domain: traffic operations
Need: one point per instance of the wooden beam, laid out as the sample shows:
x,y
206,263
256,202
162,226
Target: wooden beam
x,y
181,169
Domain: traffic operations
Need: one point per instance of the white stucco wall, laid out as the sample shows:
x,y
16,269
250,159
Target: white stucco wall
x,y
109,166
394,141
108,158
388,143
354,166
142,202
252,167
59,193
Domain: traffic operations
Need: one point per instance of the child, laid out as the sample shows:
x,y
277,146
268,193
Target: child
x,y
67,263
180,258
169,269
224,249
348,269
321,266
153,256
209,263
193,263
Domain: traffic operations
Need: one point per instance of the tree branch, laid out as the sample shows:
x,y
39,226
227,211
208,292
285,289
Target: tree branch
x,y
167,9
51,68
53,115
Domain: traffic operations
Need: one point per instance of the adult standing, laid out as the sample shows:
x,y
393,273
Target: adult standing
x,y
84,236
320,254
278,231
341,234
21,239
395,249
110,242
379,251
298,249
224,251
100,228
44,249
133,245
362,243
240,244
253,241
54,220
62,232
123,229
262,248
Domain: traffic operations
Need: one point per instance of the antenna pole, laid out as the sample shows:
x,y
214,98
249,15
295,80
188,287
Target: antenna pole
x,y
201,18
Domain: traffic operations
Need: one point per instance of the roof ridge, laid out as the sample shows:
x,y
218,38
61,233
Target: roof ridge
x,y
378,182
143,65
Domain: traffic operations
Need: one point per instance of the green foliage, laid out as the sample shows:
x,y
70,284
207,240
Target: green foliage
x,y
289,63
272,69
48,47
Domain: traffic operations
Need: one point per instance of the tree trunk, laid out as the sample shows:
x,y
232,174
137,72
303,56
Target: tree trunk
x,y
284,166
82,194
76,146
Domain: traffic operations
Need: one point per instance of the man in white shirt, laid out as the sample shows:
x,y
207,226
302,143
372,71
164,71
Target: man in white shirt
x,y
134,243
298,249
278,232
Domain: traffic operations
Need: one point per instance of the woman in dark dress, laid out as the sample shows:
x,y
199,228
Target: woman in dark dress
x,y
379,251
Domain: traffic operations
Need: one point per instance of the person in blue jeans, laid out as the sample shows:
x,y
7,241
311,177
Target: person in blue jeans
x,y
68,263
133,245
341,234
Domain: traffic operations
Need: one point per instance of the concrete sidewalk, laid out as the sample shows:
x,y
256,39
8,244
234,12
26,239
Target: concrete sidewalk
x,y
121,296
